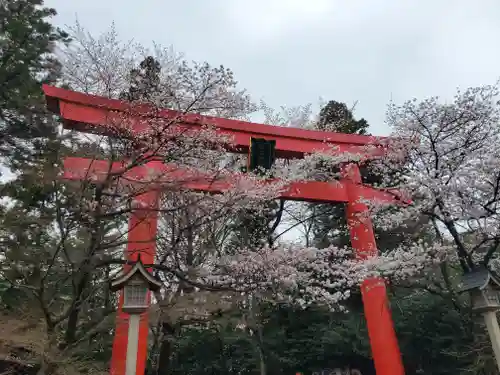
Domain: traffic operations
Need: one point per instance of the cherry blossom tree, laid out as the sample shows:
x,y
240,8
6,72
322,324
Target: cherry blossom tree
x,y
442,156
449,152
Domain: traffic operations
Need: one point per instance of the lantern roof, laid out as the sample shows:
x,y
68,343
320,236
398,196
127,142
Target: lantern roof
x,y
138,269
478,278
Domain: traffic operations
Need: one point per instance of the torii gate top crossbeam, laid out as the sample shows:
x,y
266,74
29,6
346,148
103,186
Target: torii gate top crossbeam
x,y
89,113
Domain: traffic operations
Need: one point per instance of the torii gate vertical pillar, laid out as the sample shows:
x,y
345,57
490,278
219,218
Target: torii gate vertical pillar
x,y
383,340
142,229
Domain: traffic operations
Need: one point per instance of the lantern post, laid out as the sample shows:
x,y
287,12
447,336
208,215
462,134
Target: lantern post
x,y
136,282
484,289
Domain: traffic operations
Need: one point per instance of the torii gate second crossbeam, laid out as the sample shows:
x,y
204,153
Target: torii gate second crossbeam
x,y
92,114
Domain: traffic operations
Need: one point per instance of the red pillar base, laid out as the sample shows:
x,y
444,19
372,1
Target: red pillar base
x,y
383,340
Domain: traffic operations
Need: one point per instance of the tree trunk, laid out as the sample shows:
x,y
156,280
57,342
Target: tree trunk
x,y
165,352
262,361
71,328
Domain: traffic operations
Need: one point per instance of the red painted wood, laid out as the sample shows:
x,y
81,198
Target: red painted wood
x,y
141,240
95,114
383,340
120,341
312,191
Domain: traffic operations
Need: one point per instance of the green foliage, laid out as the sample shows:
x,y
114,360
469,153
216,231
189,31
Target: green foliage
x,y
436,334
213,351
27,41
44,258
440,335
294,340
29,136
336,117
144,81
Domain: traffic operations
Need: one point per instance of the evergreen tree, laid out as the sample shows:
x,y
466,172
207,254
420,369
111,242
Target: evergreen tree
x,y
28,133
336,117
47,280
328,220
329,226
144,81
27,42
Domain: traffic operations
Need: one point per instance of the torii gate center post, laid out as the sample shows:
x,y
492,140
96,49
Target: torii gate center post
x,y
91,114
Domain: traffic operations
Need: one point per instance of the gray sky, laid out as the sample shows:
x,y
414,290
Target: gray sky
x,y
291,52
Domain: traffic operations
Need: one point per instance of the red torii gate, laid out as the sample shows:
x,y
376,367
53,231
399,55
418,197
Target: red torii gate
x,y
88,113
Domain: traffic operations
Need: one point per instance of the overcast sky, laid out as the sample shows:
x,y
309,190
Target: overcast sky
x,y
291,52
